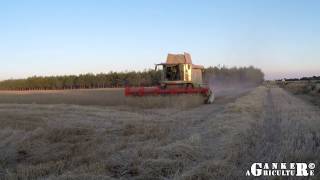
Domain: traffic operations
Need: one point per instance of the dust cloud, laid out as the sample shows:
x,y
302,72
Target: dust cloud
x,y
225,88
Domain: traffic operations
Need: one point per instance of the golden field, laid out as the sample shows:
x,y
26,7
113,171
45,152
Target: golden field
x,y
99,134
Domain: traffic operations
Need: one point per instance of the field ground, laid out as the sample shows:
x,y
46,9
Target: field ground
x,y
308,90
107,96
48,136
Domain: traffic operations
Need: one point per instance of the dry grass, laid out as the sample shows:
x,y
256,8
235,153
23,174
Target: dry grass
x,y
310,91
106,97
222,135
216,141
302,87
289,131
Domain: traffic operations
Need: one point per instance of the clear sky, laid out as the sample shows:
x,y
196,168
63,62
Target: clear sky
x,y
57,37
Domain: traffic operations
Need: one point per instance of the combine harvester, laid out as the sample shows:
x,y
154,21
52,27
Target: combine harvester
x,y
178,76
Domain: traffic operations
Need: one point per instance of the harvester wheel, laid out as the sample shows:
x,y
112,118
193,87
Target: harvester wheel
x,y
210,97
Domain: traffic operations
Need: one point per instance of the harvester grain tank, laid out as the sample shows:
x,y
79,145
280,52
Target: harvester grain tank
x,y
178,76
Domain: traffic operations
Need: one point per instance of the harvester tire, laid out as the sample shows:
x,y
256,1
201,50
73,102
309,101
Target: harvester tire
x,y
210,98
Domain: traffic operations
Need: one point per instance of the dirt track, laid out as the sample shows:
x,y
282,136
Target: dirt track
x,y
207,142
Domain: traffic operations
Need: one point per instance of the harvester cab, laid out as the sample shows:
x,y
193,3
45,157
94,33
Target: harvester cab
x,y
178,76
179,72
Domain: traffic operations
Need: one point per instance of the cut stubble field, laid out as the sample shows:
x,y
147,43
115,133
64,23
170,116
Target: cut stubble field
x,y
99,135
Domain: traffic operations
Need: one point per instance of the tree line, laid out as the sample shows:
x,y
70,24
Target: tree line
x,y
122,79
313,78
